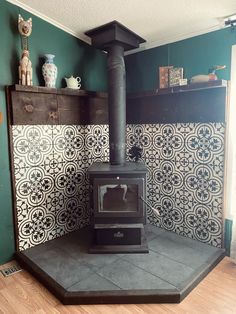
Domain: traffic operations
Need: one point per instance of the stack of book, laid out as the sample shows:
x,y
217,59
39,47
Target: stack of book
x,y
170,76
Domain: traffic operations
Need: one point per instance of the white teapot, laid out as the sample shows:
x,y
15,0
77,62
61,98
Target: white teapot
x,y
73,82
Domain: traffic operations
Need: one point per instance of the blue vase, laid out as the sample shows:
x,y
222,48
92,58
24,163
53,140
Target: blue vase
x,y
49,70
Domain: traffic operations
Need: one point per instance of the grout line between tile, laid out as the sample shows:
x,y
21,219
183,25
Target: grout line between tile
x,y
149,272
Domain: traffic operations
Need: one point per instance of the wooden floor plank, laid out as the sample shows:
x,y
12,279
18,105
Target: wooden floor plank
x,y
20,293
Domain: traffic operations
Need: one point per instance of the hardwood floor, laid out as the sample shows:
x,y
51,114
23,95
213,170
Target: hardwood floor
x,y
22,294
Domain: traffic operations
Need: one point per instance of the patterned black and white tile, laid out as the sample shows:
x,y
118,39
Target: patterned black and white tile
x,y
69,142
38,228
97,141
31,144
185,177
141,136
167,141
49,171
206,142
188,180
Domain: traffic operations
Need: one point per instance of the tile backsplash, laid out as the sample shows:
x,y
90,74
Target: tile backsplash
x,y
185,183
185,177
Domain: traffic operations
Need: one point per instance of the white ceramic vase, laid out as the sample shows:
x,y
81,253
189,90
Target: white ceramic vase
x,y
49,71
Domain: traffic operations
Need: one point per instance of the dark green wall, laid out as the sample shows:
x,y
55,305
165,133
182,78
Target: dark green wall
x,y
196,55
72,56
228,235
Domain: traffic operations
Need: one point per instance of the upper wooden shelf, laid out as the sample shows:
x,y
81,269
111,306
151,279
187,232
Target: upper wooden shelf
x,y
195,103
42,105
80,92
57,91
180,89
34,105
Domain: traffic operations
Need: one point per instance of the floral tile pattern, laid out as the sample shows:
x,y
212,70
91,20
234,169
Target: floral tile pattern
x,y
31,145
185,165
50,178
97,140
69,142
185,176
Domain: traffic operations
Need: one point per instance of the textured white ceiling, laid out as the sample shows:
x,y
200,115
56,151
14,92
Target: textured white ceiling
x,y
157,21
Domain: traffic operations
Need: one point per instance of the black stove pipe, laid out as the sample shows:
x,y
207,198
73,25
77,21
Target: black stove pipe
x,y
117,104
114,38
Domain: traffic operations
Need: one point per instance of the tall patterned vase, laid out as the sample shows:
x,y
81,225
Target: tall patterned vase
x,y
49,70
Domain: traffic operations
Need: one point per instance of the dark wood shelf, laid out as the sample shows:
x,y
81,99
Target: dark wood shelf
x,y
57,91
180,89
34,105
199,102
85,93
195,103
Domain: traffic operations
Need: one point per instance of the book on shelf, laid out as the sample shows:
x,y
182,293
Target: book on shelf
x,y
175,75
164,76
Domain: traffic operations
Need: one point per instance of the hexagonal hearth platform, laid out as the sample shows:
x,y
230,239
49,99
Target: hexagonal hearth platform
x,y
171,269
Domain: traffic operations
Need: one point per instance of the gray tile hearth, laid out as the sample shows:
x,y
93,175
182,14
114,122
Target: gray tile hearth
x,y
129,277
174,263
94,283
162,267
178,252
63,268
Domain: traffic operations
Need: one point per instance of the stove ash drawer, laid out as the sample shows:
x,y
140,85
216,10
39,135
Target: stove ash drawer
x,y
113,235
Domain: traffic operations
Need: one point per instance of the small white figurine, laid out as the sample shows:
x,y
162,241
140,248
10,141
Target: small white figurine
x,y
25,69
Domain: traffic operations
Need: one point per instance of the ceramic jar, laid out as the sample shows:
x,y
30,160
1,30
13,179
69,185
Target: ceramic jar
x,y
49,71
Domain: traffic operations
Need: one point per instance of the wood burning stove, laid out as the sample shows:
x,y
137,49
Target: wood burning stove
x,y
118,210
118,187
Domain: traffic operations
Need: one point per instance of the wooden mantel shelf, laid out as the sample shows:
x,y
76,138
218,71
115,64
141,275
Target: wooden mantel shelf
x,y
57,91
180,89
199,102
32,105
85,93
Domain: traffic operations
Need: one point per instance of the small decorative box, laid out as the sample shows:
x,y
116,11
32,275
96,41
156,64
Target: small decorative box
x,y
175,75
183,82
